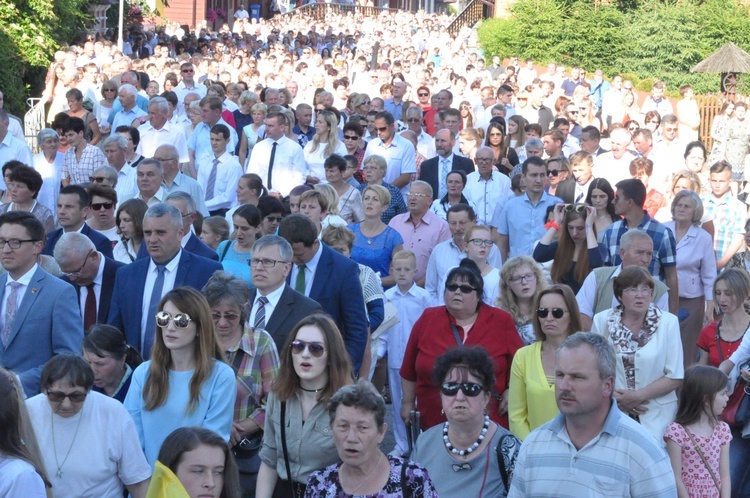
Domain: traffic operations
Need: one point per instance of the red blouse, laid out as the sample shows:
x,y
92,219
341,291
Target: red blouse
x,y
707,342
432,336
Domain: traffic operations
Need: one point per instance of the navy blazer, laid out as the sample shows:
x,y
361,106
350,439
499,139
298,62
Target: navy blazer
x,y
126,309
291,308
194,245
430,170
54,326
337,289
102,243
108,286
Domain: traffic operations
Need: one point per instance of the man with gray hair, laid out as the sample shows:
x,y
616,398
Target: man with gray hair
x,y
590,448
114,148
91,273
130,114
174,180
488,190
127,78
149,176
158,131
140,285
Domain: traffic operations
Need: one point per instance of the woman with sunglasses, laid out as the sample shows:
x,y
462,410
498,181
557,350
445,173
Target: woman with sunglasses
x,y
468,454
505,156
90,440
558,171
600,196
353,133
649,351
587,115
186,382
577,251
532,376
297,438
521,281
109,94
464,320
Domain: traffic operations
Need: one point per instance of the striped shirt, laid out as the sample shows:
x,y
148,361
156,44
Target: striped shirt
x,y
623,460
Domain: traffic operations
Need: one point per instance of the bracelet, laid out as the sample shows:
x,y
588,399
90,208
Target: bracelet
x,y
552,224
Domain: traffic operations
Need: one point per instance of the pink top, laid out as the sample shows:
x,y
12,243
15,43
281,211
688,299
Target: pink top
x,y
421,239
698,481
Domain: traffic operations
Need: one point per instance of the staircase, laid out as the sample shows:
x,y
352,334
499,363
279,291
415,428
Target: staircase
x,y
474,12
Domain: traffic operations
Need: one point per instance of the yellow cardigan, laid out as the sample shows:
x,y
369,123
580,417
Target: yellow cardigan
x,y
532,400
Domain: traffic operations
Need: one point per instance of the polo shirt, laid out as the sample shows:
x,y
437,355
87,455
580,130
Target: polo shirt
x,y
523,222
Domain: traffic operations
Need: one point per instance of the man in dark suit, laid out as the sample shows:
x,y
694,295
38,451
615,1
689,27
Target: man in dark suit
x,y
140,285
72,211
434,171
90,272
590,138
190,242
38,311
275,306
329,278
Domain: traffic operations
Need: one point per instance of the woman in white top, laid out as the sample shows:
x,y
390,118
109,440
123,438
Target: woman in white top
x,y
129,221
324,143
349,205
316,205
49,163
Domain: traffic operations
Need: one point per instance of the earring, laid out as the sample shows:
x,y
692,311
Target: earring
x,y
442,412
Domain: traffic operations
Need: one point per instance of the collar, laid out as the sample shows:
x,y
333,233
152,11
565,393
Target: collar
x,y
411,291
171,265
100,273
611,423
24,279
449,158
186,237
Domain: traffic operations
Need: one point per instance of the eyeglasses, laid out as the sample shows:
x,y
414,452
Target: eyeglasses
x,y
181,320
465,289
273,219
556,312
97,206
413,120
98,179
573,112
109,89
230,317
13,243
481,242
59,397
413,194
470,389
316,349
366,102
188,71
351,137
529,277
77,273
383,128
423,94
264,262
578,208
553,172
635,291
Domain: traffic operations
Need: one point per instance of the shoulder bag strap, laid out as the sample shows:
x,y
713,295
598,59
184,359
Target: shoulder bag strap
x,y
455,331
700,454
718,343
405,490
225,250
283,447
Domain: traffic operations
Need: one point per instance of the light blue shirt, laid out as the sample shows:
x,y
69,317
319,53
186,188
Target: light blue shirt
x,y
523,222
200,142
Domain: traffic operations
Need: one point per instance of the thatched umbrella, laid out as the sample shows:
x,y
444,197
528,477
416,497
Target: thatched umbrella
x,y
728,59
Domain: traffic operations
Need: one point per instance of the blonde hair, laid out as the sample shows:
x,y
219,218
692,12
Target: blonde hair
x,y
508,300
405,254
331,138
331,196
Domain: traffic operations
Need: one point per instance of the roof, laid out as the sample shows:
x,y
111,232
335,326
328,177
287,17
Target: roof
x,y
728,59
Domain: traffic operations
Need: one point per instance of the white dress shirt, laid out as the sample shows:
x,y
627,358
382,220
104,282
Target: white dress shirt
x,y
273,300
487,195
170,274
289,166
228,173
169,134
12,148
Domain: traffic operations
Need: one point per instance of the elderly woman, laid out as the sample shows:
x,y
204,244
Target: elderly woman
x,y
252,133
532,376
350,199
649,351
69,421
696,269
49,163
375,168
324,143
521,281
252,354
468,455
464,320
76,110
681,180
25,183
243,116
297,436
111,359
357,414
129,220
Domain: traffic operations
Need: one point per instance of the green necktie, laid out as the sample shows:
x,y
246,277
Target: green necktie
x,y
299,284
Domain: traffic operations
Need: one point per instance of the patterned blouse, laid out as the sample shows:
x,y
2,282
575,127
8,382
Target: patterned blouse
x,y
626,344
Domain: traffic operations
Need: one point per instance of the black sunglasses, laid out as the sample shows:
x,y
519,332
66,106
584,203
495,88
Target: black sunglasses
x,y
58,397
97,206
470,389
556,312
465,289
553,172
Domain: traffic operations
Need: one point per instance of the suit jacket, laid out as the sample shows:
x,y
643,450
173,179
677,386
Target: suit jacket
x,y
126,309
566,190
337,289
108,286
291,308
102,243
430,170
53,327
194,245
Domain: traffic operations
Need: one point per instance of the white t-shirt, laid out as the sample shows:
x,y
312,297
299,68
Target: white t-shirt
x,y
19,478
105,453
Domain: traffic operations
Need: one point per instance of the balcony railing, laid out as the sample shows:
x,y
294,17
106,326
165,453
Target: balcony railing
x,y
319,11
474,12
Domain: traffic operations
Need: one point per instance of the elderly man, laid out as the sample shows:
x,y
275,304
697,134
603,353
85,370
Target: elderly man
x,y
128,78
435,171
114,150
157,131
15,126
91,273
425,143
11,148
274,305
130,114
140,286
590,448
397,151
615,165
487,189
420,228
174,180
72,211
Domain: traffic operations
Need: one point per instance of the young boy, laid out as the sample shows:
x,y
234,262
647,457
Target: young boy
x,y
410,301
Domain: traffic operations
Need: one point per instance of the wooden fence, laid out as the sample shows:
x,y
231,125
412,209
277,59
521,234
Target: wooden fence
x,y
709,106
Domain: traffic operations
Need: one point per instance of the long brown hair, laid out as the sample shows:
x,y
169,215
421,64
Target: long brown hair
x,y
570,301
339,365
700,386
205,350
566,248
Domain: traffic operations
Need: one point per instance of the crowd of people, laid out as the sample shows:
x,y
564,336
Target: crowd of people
x,y
221,231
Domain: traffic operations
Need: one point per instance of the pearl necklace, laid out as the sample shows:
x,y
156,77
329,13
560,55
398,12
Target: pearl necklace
x,y
471,448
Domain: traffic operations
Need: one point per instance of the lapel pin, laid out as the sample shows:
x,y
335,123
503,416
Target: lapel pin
x,y
33,291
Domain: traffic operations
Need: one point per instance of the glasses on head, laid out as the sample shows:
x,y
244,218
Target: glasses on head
x,y
315,348
636,291
470,389
481,242
13,243
59,397
264,262
181,320
465,289
529,277
351,137
553,172
578,208
98,206
230,317
77,273
556,312
414,194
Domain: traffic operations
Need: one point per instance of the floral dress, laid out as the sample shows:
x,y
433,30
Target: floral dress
x,y
407,479
695,476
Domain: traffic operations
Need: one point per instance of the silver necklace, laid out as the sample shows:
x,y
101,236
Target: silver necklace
x,y
471,448
54,447
354,491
